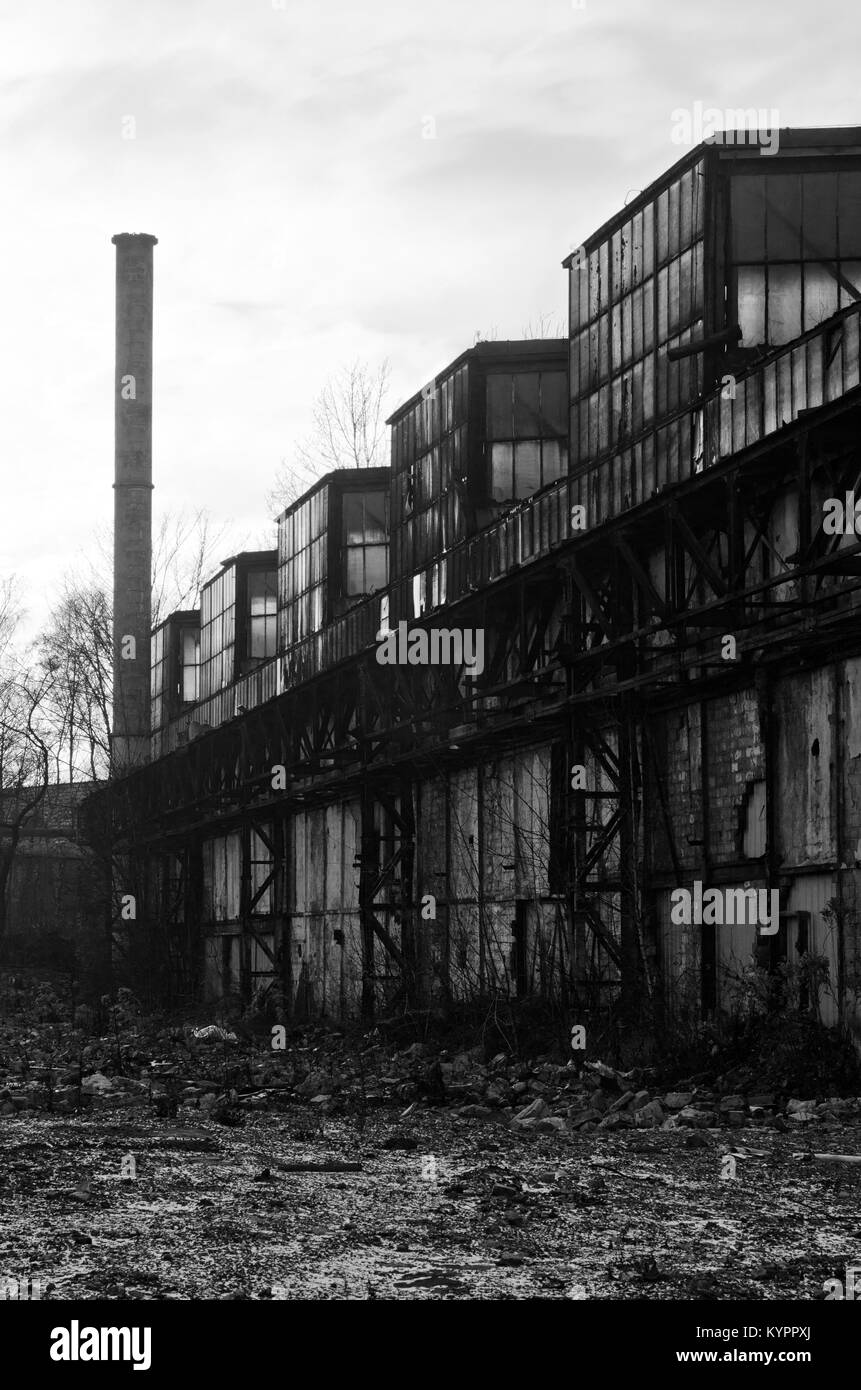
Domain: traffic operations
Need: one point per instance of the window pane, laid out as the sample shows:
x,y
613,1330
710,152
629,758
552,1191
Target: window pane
x,y
502,456
751,304
352,517
593,362
849,209
673,218
594,274
627,251
648,242
673,295
418,594
261,592
257,638
663,297
554,403
662,219
551,452
783,218
378,533
190,666
616,261
686,197
355,570
317,569
784,303
604,439
526,414
375,567
616,336
604,274
748,219
604,346
820,295
375,514
820,216
851,271
575,285
527,468
499,406
627,330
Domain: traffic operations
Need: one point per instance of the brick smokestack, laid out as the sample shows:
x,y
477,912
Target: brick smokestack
x,y
132,501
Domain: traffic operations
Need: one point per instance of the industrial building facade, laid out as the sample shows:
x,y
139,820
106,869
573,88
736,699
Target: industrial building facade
x,y
641,522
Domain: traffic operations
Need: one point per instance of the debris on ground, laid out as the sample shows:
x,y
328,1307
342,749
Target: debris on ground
x,y
164,1161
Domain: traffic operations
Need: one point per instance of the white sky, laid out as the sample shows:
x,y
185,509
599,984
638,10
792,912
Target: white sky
x,y
302,219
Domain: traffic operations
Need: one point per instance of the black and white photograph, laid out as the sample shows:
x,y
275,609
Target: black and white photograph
x,y
430,675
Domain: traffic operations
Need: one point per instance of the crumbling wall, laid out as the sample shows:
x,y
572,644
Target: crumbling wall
x,y
322,901
466,944
736,761
481,914
806,772
677,806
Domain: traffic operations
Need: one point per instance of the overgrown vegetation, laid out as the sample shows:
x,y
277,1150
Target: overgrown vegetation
x,y
762,1045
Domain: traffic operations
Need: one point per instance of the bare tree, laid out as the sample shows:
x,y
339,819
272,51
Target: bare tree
x,y
10,614
76,646
186,547
348,431
25,759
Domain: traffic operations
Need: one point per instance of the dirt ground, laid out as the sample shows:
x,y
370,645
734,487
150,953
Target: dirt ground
x,y
213,1212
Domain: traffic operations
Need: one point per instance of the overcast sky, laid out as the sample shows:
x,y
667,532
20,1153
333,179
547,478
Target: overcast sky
x,y
305,219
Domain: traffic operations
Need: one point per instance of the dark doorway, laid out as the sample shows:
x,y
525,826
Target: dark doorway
x,y
518,950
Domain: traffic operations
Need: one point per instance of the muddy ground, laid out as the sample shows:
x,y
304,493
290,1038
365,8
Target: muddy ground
x,y
213,1212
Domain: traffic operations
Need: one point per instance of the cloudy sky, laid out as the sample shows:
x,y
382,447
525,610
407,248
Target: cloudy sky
x,y
328,181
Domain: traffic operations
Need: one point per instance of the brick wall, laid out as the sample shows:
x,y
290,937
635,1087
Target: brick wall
x,y
735,760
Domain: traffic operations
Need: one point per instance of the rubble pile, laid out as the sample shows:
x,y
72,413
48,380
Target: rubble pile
x,y
545,1097
222,1074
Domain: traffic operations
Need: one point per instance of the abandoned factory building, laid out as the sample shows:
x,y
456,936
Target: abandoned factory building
x,y
649,526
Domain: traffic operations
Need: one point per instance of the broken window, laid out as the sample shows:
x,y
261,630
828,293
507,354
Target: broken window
x,y
365,542
262,615
795,240
158,676
526,432
190,665
217,631
638,294
428,462
302,573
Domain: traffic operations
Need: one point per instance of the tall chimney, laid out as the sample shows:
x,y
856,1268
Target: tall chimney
x,y
132,501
